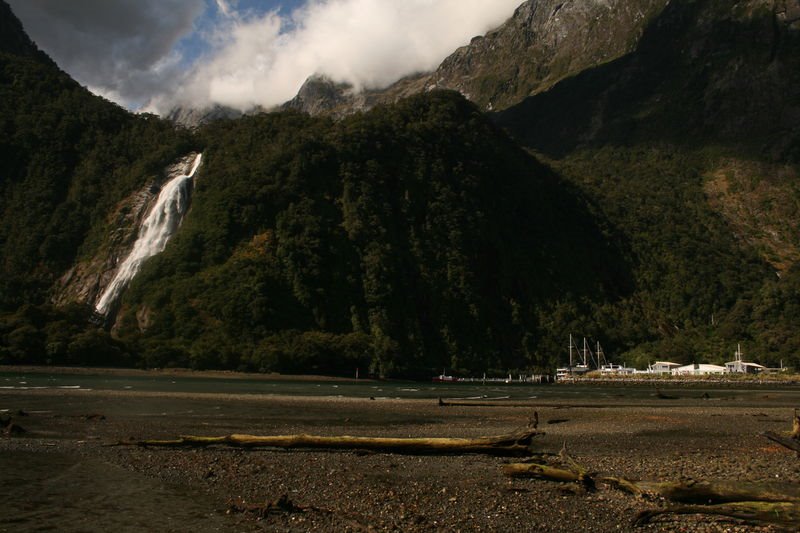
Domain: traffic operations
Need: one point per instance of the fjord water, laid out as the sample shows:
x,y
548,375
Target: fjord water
x,y
366,388
160,224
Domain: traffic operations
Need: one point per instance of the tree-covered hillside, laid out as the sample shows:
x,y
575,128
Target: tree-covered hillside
x,y
405,239
420,235
66,158
689,146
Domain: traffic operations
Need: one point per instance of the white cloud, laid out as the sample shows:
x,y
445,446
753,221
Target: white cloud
x,y
370,43
126,49
122,48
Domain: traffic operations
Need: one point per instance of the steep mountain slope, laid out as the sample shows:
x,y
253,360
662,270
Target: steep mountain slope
x,y
405,239
412,237
690,145
542,43
418,235
66,158
701,73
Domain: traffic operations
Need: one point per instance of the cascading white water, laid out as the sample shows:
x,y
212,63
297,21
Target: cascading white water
x,y
159,225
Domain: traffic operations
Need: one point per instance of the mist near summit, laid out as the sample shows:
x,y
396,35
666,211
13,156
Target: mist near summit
x,y
154,55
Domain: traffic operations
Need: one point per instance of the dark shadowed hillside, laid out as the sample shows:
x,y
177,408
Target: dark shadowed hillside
x,y
689,144
415,232
655,206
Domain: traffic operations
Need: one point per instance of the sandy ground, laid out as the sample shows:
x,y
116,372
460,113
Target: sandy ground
x,y
658,439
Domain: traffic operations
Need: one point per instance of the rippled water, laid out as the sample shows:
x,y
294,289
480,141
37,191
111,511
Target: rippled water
x,y
368,388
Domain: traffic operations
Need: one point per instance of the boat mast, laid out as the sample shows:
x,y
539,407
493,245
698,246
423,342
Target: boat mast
x,y
584,353
570,351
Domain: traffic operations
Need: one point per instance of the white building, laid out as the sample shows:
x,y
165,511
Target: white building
x,y
662,367
737,366
698,369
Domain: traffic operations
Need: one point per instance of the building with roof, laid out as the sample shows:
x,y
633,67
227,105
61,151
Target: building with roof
x,y
698,369
738,366
662,367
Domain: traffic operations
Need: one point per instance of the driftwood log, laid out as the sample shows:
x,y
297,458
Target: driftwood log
x,y
781,514
575,473
513,445
769,502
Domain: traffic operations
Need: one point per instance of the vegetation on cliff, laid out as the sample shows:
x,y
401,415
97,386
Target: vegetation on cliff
x,y
419,235
411,237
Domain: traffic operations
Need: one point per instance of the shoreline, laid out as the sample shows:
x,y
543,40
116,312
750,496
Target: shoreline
x,y
174,372
681,381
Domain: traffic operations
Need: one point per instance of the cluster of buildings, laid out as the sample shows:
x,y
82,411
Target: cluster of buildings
x,y
737,366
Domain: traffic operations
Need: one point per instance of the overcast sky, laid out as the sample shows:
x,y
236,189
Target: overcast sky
x,y
155,54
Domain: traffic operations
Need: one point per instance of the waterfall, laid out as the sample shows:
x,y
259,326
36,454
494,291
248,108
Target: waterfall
x,y
156,229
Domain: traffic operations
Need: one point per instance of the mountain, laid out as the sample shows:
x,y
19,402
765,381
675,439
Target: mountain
x,y
401,240
543,42
689,145
635,182
193,118
679,120
416,228
66,159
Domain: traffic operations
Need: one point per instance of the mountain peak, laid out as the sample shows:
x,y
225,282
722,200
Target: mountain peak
x,y
319,94
192,117
543,42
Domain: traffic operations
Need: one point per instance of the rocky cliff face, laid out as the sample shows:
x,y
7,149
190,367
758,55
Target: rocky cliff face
x,y
544,42
84,282
87,278
193,118
702,70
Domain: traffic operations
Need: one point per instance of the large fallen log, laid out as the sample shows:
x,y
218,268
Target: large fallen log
x,y
710,492
778,513
540,471
690,491
513,445
768,502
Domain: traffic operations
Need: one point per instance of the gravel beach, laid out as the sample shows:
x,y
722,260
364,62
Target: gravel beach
x,y
688,436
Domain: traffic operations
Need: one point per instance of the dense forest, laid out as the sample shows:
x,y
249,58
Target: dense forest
x,y
688,147
420,235
408,238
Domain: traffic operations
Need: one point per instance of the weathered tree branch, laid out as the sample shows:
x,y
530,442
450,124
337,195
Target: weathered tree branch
x,y
772,502
709,492
513,445
779,513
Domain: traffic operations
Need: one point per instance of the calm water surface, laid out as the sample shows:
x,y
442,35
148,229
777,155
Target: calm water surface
x,y
376,389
